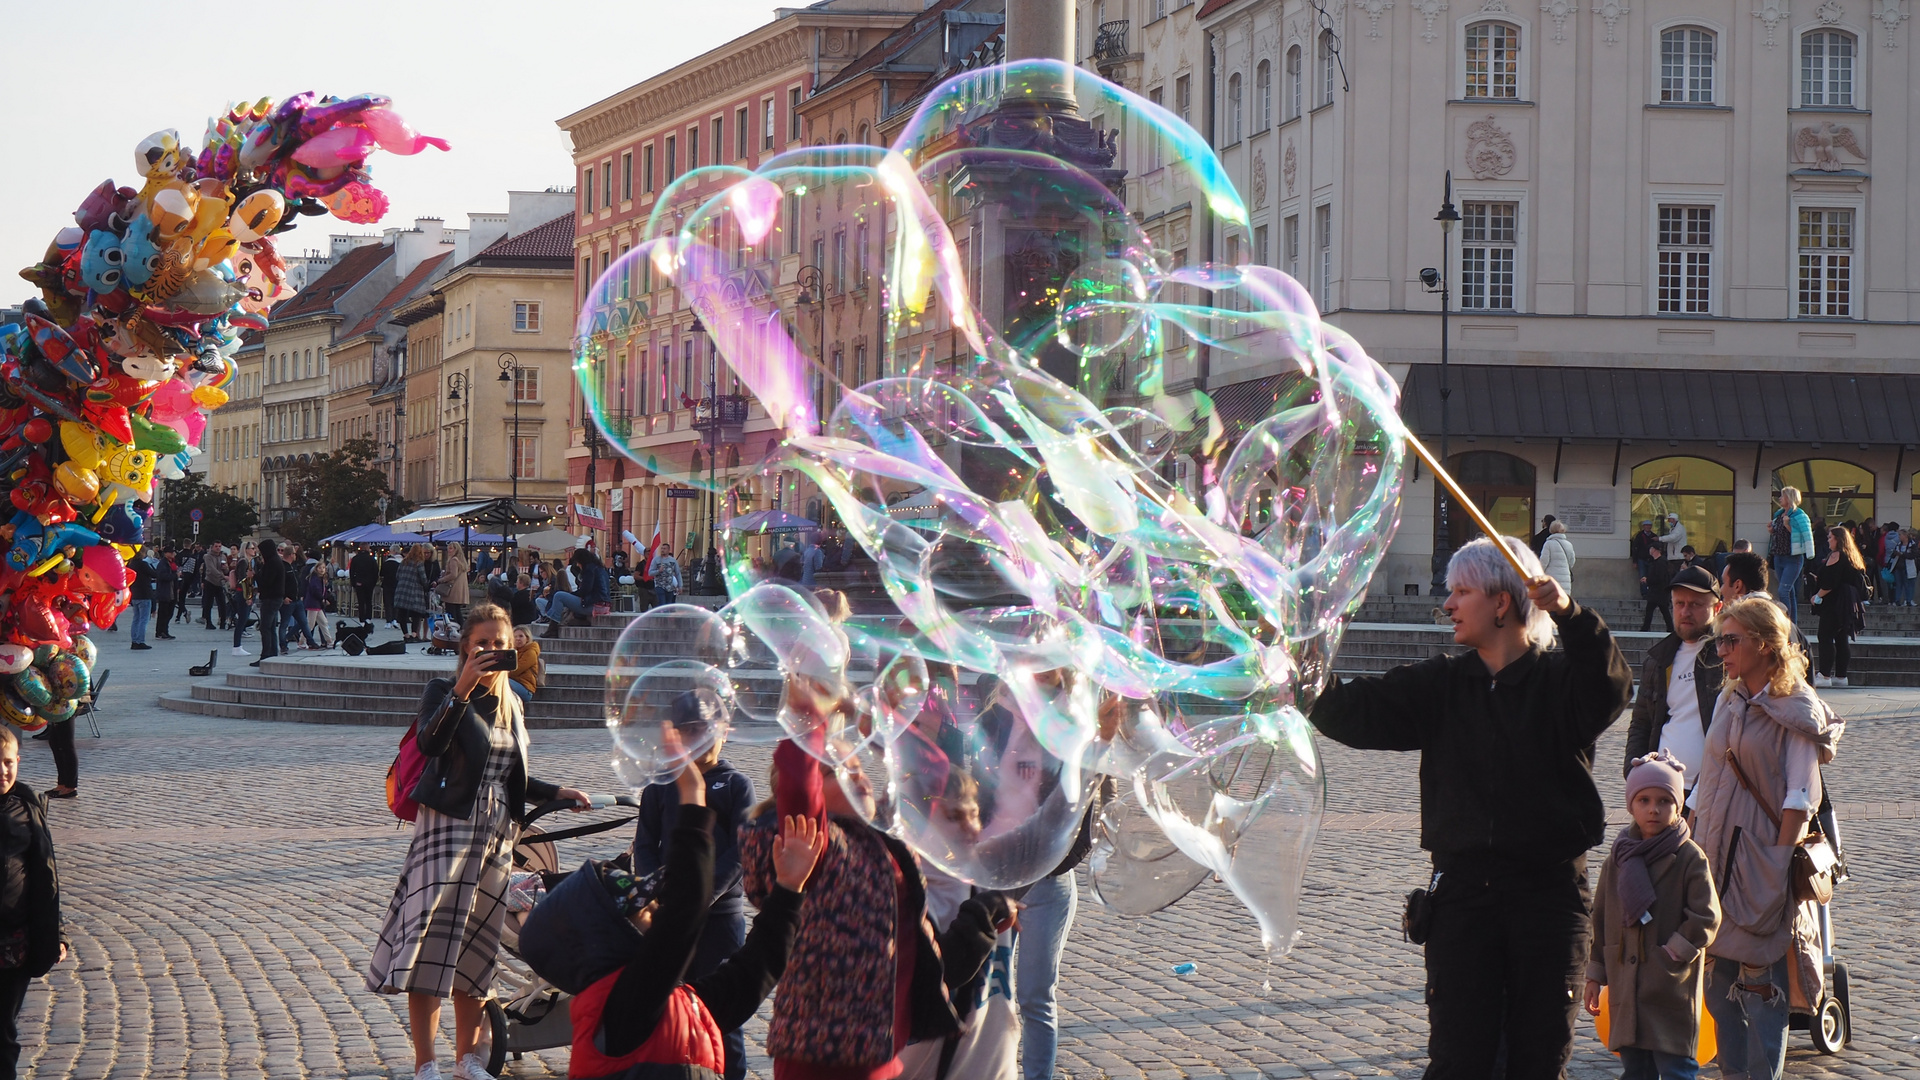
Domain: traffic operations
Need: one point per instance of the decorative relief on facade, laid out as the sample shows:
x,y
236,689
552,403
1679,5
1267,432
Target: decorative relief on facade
x,y
1490,151
1559,11
1430,10
1888,14
1830,12
1494,7
1259,179
836,45
1820,145
1289,167
1771,16
1375,9
1611,12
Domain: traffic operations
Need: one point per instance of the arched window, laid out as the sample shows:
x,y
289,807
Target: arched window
x,y
1826,69
1326,67
1835,492
1293,82
1699,490
1686,66
1263,95
1493,61
1233,109
863,134
1501,485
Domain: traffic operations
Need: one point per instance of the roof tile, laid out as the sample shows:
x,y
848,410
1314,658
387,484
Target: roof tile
x,y
344,274
553,240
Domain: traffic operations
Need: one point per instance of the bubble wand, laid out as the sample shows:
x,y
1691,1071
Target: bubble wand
x,y
1480,519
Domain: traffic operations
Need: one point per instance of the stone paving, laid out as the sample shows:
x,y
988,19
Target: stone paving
x,y
223,879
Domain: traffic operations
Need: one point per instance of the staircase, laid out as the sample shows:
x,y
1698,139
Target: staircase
x,y
339,689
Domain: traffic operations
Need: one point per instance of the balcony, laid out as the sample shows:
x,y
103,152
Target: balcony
x,y
1110,45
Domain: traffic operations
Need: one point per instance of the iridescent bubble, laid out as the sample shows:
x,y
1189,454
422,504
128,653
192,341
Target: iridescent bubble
x,y
694,699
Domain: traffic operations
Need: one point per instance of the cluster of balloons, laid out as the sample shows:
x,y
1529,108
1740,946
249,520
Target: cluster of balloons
x,y
1082,578
107,381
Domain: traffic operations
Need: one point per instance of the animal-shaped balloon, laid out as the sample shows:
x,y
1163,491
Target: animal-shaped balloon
x,y
106,207
36,545
77,485
171,268
84,445
158,155
14,659
256,214
140,256
207,293
121,525
101,262
102,570
35,491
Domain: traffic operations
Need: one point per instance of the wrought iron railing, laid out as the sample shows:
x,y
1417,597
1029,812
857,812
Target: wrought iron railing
x,y
1110,42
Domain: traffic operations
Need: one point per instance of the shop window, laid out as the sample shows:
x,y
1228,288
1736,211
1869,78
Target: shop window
x,y
1834,492
1501,485
1699,490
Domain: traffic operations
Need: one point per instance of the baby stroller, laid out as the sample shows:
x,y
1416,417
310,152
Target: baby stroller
x,y
526,1012
1829,1022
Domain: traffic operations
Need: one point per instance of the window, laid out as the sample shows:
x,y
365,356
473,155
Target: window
x,y
859,365
740,134
586,190
840,261
1183,99
1323,237
1263,96
1158,96
1686,66
1328,57
820,255
606,184
1500,484
792,219
686,367
1493,61
1699,490
1826,70
309,363
670,164
1488,236
526,456
526,384
646,168
626,177
1686,260
1157,9
1826,263
1835,490
1290,242
766,134
586,277
1233,109
1293,82
526,316
693,147
666,377
1260,245
719,138
860,256
793,114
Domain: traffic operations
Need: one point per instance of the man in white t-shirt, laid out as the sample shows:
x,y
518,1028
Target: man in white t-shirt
x,y
1680,679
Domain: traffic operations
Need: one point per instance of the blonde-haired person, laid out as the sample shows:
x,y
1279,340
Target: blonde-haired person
x,y
453,582
1792,533
1840,582
1556,556
442,932
1772,729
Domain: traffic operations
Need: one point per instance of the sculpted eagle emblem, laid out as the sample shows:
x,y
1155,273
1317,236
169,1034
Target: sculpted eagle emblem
x,y
1823,142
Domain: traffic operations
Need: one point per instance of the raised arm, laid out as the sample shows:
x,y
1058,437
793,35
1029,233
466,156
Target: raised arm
x,y
1382,712
659,965
1598,681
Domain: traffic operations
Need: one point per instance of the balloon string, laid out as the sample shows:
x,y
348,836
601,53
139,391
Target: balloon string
x,y
1453,487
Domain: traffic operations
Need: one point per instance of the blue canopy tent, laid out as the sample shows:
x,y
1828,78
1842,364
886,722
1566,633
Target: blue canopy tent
x,y
464,537
375,533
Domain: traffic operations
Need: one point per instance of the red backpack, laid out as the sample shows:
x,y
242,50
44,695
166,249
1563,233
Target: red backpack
x,y
403,776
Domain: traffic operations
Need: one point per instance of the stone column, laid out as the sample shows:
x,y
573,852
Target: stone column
x,y
1040,30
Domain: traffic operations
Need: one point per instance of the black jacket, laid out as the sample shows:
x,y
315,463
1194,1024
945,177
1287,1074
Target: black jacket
x,y
141,587
44,935
164,576
363,571
389,574
454,737
270,578
729,796
1506,760
1650,710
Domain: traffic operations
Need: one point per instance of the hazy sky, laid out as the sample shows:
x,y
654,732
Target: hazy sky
x,y
84,81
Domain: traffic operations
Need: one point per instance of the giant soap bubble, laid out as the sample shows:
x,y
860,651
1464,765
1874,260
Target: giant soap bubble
x,y
1065,555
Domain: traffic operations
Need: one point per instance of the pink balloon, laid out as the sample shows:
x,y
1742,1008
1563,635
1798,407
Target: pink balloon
x,y
171,401
341,146
395,135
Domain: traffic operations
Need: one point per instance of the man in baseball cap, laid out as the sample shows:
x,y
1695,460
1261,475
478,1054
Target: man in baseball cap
x,y
1681,677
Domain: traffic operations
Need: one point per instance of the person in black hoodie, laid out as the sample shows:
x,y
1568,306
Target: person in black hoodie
x,y
389,581
31,941
363,573
270,587
1508,805
166,578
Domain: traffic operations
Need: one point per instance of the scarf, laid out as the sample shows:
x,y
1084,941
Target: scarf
x,y
1632,854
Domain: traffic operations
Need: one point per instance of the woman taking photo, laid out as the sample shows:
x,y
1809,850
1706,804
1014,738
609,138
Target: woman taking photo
x,y
442,933
1839,583
1770,735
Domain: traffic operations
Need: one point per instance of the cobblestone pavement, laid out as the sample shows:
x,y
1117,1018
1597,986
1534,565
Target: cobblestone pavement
x,y
224,879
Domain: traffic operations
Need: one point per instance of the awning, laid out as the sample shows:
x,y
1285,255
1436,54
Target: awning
x,y
434,518
770,521
494,513
375,533
466,536
1681,403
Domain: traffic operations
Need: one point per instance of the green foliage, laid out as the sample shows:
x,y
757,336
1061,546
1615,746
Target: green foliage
x,y
337,491
225,518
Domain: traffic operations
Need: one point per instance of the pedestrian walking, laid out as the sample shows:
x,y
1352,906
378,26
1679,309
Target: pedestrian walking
x,y
1540,538
1655,582
1759,787
66,761
314,602
270,590
441,936
166,578
1679,679
665,570
1556,555
1841,585
1508,805
140,593
410,593
363,573
188,565
32,939
1655,911
213,587
1790,545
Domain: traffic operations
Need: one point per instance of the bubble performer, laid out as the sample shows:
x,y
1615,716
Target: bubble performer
x,y
1040,501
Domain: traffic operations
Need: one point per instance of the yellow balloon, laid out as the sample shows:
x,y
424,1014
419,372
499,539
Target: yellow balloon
x,y
209,397
76,483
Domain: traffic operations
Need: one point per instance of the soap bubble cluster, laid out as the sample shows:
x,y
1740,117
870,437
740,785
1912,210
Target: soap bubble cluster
x,y
1078,579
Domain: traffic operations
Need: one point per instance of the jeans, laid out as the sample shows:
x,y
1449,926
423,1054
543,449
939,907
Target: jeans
x,y
1753,1025
525,694
242,617
1903,589
293,625
1653,1065
1786,573
212,596
666,596
1044,922
142,611
723,936
270,627
386,603
13,992
568,604
1506,953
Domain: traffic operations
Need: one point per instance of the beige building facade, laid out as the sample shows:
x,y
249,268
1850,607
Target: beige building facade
x,y
232,444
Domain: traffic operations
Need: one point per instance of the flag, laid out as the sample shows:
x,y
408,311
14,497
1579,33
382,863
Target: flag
x,y
646,561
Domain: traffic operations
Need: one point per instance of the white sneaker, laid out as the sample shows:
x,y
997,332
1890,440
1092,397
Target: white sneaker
x,y
241,650
1840,682
471,1068
1821,681
429,1071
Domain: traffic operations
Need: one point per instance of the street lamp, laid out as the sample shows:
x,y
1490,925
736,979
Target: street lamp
x,y
457,382
1441,281
813,292
510,370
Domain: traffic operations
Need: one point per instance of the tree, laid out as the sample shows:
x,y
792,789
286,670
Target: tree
x,y
224,517
337,491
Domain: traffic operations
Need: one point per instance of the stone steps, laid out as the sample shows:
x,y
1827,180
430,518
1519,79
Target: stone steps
x,y
386,694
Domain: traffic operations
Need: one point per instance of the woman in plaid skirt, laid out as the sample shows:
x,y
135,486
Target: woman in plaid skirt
x,y
442,933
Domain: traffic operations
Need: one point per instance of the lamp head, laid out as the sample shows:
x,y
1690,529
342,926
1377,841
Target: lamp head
x,y
453,395
1430,278
805,299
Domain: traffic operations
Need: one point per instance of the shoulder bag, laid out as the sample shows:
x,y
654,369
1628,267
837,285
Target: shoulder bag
x,y
1813,858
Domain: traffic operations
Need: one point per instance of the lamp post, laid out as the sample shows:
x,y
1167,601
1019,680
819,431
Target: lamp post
x,y
813,292
1441,281
456,383
510,374
393,451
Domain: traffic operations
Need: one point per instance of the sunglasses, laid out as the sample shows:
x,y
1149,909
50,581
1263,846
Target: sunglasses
x,y
1728,641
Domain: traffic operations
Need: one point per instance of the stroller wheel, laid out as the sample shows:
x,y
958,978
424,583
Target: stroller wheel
x,y
1829,1027
1841,994
497,1028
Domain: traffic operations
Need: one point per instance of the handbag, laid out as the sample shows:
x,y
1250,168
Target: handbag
x,y
403,776
1417,919
1813,858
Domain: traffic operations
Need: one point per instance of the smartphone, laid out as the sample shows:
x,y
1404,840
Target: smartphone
x,y
501,659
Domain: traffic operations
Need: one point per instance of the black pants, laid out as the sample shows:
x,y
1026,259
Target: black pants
x,y
364,594
162,615
212,596
180,602
13,991
1835,649
66,763
1506,955
386,603
270,628
722,938
1661,601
